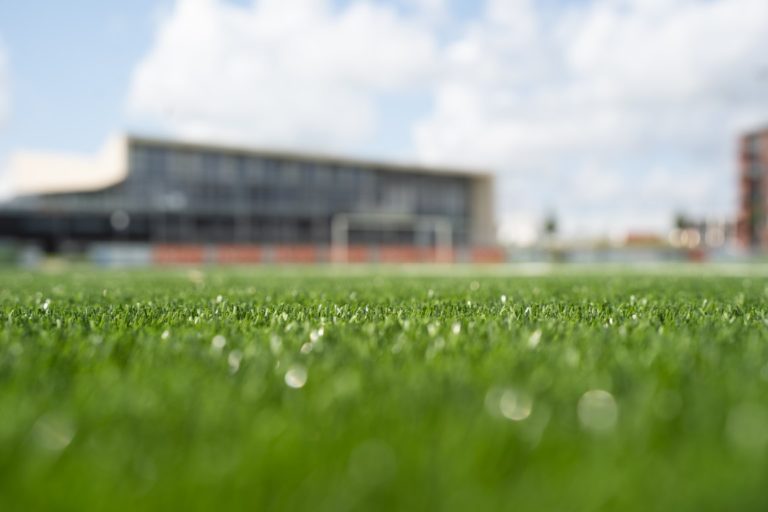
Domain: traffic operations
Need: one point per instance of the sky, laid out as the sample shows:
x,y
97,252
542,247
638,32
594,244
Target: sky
x,y
612,115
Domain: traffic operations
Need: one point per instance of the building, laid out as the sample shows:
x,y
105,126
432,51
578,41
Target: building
x,y
197,203
751,226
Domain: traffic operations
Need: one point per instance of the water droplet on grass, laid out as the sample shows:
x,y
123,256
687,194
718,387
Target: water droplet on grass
x,y
598,411
53,432
233,360
535,339
296,376
509,403
572,357
218,342
275,344
514,405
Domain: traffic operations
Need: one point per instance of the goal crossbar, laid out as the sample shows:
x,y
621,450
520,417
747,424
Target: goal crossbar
x,y
342,223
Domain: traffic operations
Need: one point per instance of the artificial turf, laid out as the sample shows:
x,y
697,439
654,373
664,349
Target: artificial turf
x,y
314,390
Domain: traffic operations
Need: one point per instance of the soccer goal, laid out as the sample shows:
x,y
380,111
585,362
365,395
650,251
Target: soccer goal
x,y
341,224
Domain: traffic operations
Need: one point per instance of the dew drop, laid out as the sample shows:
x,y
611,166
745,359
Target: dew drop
x,y
275,344
296,376
218,342
598,411
534,339
233,360
514,405
508,403
53,432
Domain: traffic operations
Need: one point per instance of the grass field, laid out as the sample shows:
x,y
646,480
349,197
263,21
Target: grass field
x,y
294,389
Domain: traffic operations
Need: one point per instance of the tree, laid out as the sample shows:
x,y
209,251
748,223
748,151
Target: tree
x,y
550,225
682,221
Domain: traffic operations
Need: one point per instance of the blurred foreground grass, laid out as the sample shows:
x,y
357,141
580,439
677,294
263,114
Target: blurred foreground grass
x,y
193,390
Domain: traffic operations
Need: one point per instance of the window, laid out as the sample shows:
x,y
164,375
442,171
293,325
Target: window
x,y
345,176
271,171
254,170
322,175
290,174
228,169
184,166
138,159
210,167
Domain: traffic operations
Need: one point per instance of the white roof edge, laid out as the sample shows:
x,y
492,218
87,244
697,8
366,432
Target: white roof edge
x,y
33,173
295,155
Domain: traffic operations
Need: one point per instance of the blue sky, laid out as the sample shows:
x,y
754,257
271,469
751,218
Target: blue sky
x,y
70,66
614,114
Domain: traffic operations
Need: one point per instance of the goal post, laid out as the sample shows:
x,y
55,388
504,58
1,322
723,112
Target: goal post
x,y
342,223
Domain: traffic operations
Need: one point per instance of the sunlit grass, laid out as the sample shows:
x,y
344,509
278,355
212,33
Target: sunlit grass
x,y
265,390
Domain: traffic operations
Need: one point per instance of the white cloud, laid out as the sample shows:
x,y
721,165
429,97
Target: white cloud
x,y
647,95
613,76
282,72
614,113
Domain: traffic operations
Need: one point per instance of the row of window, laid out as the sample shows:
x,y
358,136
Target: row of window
x,y
258,199
188,165
224,229
156,168
155,185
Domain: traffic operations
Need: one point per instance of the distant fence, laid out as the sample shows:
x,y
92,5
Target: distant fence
x,y
171,254
117,254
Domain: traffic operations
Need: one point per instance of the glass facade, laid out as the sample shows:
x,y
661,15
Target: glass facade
x,y
180,193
